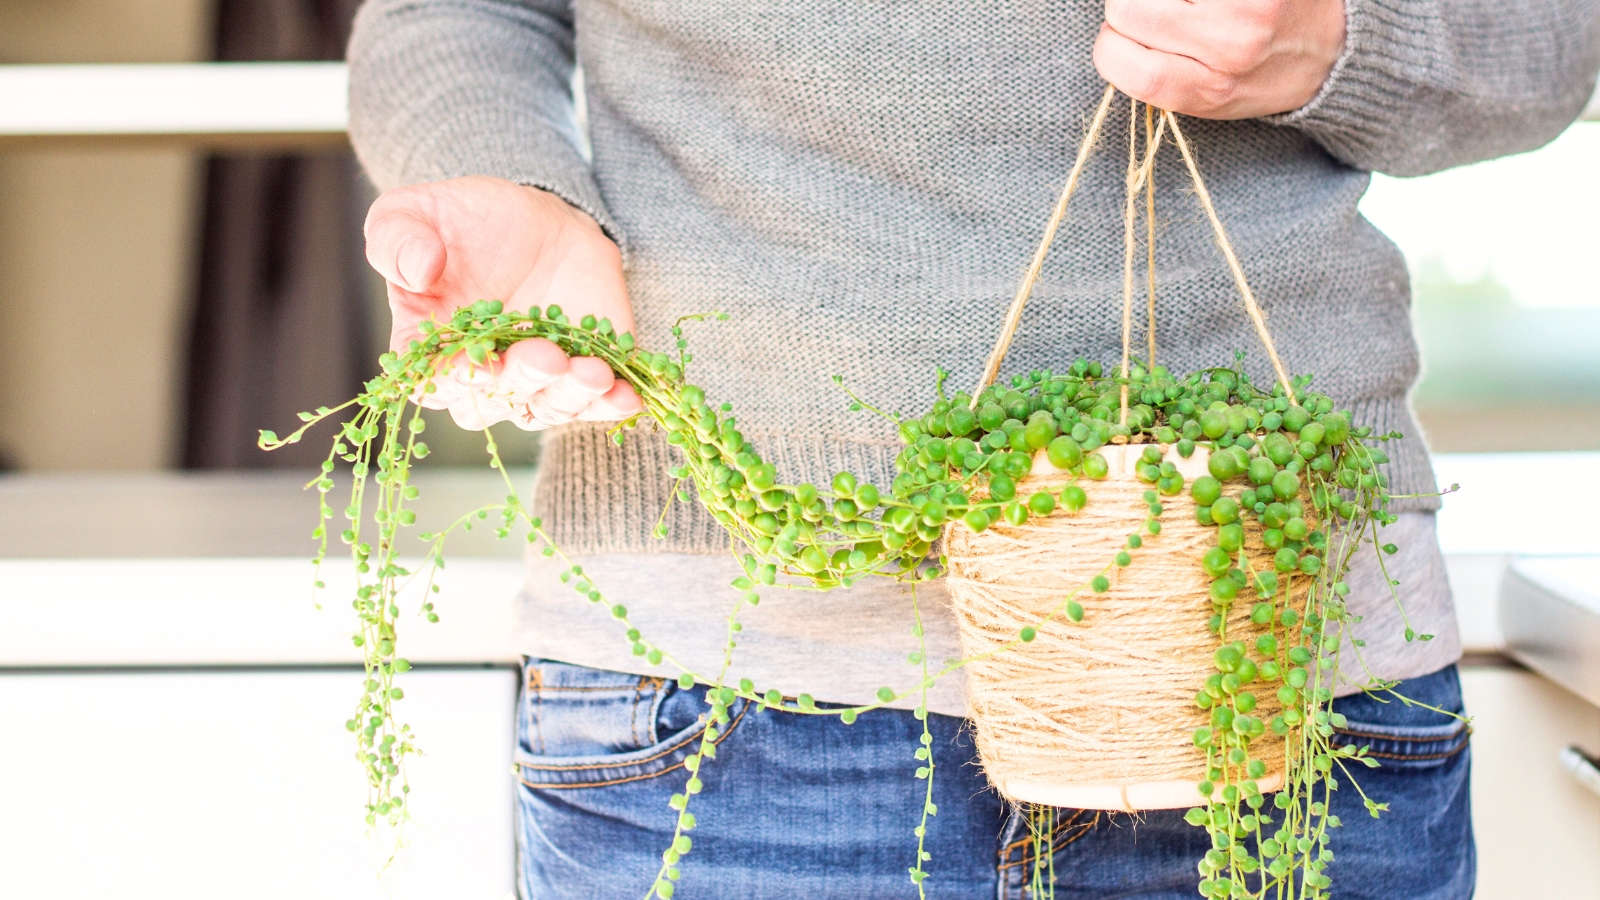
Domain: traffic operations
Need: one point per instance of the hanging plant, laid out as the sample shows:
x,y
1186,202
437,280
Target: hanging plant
x,y
1193,529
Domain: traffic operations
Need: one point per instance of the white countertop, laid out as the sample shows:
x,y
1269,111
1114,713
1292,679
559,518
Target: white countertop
x,y
196,583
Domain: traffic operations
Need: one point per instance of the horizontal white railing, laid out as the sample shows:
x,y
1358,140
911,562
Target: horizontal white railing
x,y
242,612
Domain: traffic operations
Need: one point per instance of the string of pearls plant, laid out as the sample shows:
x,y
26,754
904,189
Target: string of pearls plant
x,y
1313,482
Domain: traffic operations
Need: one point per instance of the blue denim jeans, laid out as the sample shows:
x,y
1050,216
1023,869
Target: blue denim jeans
x,y
805,806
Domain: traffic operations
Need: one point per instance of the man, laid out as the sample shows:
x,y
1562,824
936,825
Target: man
x,y
858,184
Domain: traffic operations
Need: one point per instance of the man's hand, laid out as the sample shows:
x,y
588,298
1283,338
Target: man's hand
x,y
449,244
1220,59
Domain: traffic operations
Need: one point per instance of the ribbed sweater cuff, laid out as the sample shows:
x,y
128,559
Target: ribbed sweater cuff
x,y
1389,45
475,138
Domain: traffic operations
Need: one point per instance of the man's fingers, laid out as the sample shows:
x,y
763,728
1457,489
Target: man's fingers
x,y
533,374
520,372
467,417
435,400
1164,80
1171,26
402,244
476,410
408,311
618,403
531,365
536,387
586,381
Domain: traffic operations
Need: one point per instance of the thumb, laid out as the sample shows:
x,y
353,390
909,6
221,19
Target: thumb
x,y
403,243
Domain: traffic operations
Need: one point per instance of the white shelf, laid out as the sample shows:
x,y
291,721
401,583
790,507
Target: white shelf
x,y
283,103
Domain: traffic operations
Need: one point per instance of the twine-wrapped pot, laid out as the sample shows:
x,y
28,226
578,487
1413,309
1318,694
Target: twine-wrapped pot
x,y
1098,714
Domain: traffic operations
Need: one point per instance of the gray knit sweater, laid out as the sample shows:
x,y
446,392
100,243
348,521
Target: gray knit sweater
x,y
859,185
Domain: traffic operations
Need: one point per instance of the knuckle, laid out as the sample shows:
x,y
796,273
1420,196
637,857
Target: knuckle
x,y
1118,11
1251,33
1263,12
541,410
1141,81
1249,49
1147,83
1217,90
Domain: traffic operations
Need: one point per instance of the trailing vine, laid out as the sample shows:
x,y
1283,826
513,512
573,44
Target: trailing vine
x,y
1299,472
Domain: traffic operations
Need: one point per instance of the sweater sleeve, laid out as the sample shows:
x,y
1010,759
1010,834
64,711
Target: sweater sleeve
x,y
1424,85
447,88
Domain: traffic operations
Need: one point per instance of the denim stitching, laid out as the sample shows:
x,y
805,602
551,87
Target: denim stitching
x,y
633,713
579,768
1395,737
536,681
536,692
657,697
1056,844
536,689
1060,827
1418,757
1008,879
1009,874
1456,741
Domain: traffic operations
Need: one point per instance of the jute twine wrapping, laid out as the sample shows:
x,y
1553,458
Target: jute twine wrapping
x,y
1100,713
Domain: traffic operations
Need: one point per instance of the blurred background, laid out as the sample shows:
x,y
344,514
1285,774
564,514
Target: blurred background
x,y
180,292
167,290
1505,297
227,291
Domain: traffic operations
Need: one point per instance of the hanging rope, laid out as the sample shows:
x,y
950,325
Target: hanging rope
x,y
1150,235
1138,178
1256,318
1127,257
1014,314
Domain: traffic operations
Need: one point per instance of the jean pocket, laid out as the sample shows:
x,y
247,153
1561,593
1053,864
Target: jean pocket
x,y
571,710
1424,734
582,727
1405,746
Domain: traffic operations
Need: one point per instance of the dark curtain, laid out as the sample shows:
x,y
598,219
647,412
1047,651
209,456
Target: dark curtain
x,y
281,319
